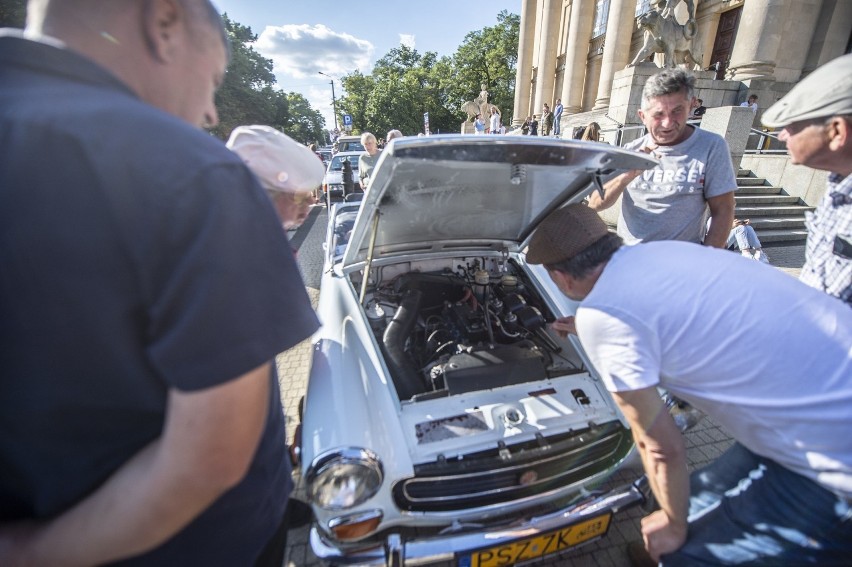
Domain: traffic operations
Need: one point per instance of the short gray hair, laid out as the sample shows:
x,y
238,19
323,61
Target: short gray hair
x,y
668,81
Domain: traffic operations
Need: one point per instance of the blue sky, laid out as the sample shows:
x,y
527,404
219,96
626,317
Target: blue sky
x,y
305,37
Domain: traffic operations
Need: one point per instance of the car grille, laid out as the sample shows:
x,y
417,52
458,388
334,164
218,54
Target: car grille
x,y
510,473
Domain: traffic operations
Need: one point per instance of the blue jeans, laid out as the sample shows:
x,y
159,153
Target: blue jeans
x,y
749,510
743,236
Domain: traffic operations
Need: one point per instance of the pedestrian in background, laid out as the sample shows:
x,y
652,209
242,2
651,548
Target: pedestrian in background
x,y
494,121
367,160
700,109
534,125
816,117
283,168
392,134
671,200
147,287
751,103
478,125
557,117
546,120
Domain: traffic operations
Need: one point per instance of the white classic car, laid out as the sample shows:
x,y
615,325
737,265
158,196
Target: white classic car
x,y
443,421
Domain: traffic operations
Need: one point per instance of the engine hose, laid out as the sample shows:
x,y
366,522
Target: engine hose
x,y
404,374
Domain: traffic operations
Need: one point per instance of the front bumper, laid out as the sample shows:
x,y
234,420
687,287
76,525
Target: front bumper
x,y
446,547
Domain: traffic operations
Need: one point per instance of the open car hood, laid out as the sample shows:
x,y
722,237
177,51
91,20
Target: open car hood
x,y
456,194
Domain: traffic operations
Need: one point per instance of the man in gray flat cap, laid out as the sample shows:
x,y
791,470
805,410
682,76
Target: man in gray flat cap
x,y
816,117
763,355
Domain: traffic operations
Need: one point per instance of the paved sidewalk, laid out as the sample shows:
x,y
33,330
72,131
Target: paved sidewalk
x,y
704,443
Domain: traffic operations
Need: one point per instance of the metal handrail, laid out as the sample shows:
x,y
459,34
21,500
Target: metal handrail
x,y
765,138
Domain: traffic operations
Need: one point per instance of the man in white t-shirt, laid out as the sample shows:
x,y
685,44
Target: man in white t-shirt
x,y
765,356
751,103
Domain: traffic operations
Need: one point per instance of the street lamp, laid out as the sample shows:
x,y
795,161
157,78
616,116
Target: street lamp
x,y
333,100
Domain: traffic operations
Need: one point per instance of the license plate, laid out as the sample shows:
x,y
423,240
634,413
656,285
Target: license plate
x,y
540,545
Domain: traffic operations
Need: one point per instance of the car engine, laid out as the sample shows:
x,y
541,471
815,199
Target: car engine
x,y
477,325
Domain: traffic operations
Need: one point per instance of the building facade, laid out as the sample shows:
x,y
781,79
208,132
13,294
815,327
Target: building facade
x,y
572,49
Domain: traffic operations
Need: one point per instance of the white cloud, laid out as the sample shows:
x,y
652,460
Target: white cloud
x,y
407,40
302,50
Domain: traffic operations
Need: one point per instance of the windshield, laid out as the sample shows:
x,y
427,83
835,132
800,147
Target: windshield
x,y
337,162
343,224
350,146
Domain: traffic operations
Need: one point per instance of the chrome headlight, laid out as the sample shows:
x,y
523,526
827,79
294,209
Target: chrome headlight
x,y
344,478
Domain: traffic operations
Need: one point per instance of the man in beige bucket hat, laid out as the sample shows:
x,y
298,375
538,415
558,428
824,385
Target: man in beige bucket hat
x,y
816,122
763,355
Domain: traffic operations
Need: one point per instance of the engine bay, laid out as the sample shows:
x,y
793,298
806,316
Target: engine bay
x,y
453,326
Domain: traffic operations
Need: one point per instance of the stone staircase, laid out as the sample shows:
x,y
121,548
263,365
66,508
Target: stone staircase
x,y
775,216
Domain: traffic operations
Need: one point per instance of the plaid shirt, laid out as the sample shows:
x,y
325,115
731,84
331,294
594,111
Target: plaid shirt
x,y
828,256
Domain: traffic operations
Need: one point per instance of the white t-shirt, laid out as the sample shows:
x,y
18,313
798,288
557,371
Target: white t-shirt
x,y
752,106
767,357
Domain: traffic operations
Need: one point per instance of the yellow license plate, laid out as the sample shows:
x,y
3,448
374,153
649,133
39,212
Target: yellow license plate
x,y
540,545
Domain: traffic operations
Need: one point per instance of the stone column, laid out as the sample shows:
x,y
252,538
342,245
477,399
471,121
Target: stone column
x,y
523,75
547,55
579,34
800,22
831,35
616,55
758,39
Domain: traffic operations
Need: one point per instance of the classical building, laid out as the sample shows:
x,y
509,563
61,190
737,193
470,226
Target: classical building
x,y
573,49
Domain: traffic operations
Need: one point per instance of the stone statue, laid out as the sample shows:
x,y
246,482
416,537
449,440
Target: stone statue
x,y
663,34
479,105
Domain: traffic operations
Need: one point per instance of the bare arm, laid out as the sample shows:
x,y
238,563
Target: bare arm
x,y
612,190
663,453
616,186
721,219
208,441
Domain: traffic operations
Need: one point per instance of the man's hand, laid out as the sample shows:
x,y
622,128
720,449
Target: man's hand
x,y
661,535
616,186
563,326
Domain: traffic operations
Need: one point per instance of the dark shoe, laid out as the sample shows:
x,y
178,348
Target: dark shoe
x,y
298,514
638,555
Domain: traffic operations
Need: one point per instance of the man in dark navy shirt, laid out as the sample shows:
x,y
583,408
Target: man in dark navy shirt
x,y
145,286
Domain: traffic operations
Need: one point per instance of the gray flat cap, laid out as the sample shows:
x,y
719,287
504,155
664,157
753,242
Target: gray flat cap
x,y
825,92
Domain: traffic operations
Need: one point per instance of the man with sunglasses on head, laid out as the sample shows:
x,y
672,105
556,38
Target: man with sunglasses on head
x,y
816,122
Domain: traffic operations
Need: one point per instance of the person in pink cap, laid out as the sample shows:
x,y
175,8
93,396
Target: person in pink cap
x,y
288,171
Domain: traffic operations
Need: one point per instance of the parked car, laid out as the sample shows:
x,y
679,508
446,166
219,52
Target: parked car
x,y
443,421
349,144
333,183
325,154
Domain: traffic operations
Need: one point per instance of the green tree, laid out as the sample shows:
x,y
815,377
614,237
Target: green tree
x,y
13,13
489,57
405,84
